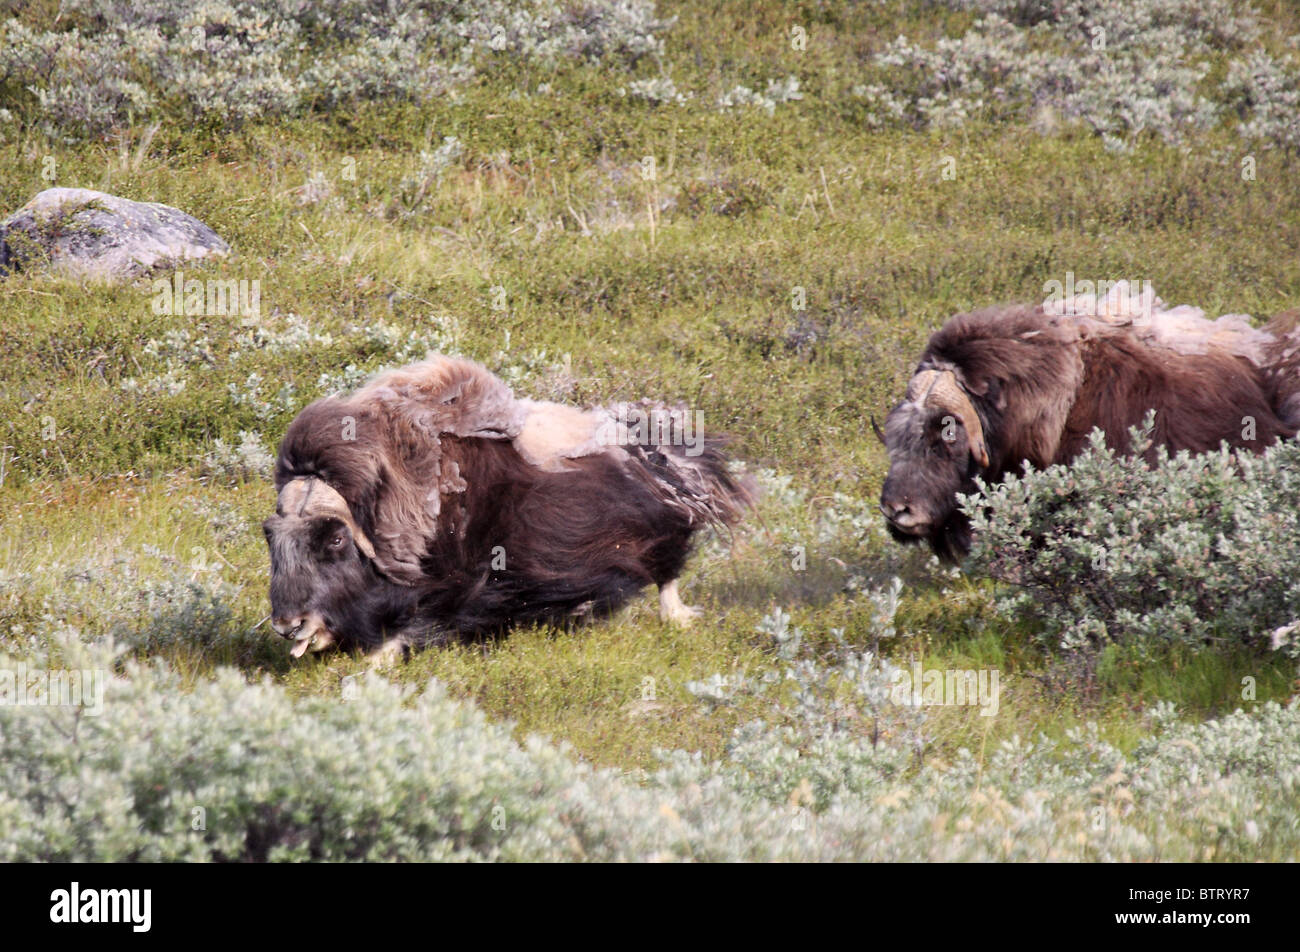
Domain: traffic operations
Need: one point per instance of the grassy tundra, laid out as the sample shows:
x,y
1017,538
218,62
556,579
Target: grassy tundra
x,y
761,221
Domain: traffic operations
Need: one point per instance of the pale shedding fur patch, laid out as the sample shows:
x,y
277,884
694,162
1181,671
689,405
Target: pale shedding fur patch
x,y
553,432
447,395
444,395
1184,329
1120,304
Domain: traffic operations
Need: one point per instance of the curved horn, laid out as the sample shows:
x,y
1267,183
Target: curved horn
x,y
308,495
880,434
941,390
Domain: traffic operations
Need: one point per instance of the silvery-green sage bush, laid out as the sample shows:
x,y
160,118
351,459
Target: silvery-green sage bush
x,y
232,769
104,62
1266,94
1120,68
1199,550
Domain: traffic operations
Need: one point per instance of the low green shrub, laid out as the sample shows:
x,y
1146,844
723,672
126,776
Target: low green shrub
x,y
1197,550
1120,69
147,768
104,62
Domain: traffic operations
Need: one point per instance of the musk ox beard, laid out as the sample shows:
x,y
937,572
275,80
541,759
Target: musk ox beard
x,y
1005,386
432,504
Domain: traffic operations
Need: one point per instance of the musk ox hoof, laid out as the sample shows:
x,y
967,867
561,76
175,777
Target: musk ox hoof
x,y
389,653
671,608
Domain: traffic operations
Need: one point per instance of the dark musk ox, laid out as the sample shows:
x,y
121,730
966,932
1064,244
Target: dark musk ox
x,y
432,504
1004,385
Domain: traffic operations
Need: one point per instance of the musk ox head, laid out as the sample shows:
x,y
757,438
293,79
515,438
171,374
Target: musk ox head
x,y
325,587
936,445
374,460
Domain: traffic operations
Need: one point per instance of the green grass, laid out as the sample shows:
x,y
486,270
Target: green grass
x,y
681,289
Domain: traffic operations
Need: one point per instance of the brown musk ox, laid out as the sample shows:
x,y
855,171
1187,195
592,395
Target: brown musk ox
x,y
433,504
1003,386
1282,366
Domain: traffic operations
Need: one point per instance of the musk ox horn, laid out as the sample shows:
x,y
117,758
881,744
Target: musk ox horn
x,y
941,390
880,434
308,496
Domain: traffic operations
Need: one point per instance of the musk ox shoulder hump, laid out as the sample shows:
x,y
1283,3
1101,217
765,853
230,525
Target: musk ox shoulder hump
x,y
446,395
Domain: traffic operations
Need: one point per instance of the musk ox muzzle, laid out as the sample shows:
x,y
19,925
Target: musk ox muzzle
x,y
318,555
936,445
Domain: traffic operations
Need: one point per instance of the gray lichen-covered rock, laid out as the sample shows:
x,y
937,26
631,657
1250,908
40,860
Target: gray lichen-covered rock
x,y
81,233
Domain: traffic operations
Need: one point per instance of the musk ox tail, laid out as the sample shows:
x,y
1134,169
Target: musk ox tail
x,y
1282,366
686,469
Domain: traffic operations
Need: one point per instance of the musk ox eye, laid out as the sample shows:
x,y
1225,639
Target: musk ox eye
x,y
338,541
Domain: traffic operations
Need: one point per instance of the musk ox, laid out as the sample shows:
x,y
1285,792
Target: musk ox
x,y
1005,385
1282,366
433,504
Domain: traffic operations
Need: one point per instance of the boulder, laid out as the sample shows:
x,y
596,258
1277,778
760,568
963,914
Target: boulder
x,y
81,233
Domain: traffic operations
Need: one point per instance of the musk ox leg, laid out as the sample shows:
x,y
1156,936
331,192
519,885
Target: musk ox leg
x,y
390,651
671,608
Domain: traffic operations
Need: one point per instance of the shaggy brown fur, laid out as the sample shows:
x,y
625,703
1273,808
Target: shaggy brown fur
x,y
1039,384
1283,366
472,511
